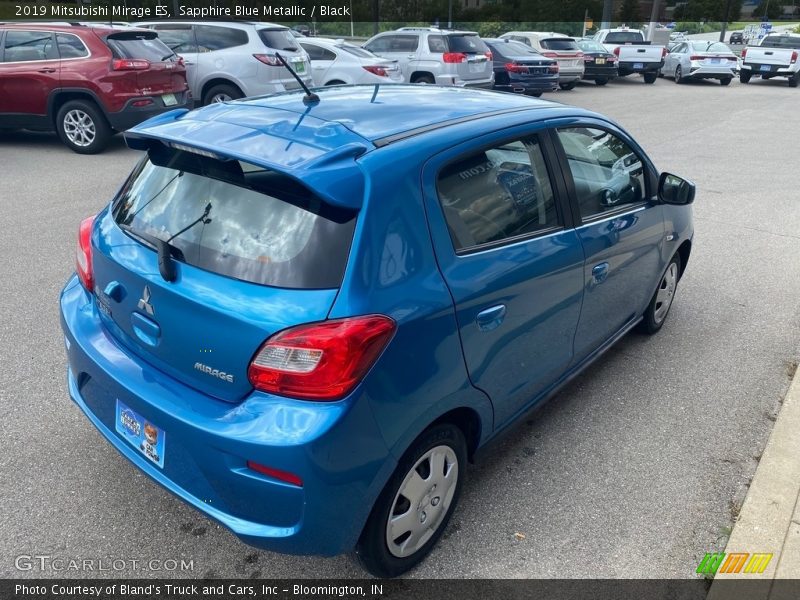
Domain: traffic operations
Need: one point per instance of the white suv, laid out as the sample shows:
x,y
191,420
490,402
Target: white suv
x,y
230,60
433,55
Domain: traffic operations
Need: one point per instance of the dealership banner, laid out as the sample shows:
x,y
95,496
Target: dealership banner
x,y
375,589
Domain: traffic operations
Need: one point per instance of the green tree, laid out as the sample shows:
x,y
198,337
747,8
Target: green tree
x,y
771,8
630,12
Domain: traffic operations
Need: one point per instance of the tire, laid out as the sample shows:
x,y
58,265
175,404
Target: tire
x,y
567,86
223,92
601,81
726,81
426,79
678,74
373,551
744,76
335,82
650,77
658,310
536,94
794,81
83,127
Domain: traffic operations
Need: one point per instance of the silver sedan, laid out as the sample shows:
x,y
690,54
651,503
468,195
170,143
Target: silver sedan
x,y
700,60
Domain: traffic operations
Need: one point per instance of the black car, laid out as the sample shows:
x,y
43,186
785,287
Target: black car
x,y
520,68
737,37
600,65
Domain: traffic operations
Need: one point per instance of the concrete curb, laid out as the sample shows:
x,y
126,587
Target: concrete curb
x,y
769,521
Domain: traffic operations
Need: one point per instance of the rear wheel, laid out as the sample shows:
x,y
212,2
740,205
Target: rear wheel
x,y
678,74
650,77
726,81
223,92
425,78
658,309
744,76
82,127
601,81
567,86
414,508
794,81
535,94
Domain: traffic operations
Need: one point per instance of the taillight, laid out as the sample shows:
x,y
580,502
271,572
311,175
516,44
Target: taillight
x,y
181,62
376,70
611,58
515,68
744,53
130,64
268,59
794,57
616,51
454,57
695,57
320,361
83,254
489,55
553,68
550,54
663,52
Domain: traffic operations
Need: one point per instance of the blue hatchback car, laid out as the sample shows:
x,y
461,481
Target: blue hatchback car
x,y
303,318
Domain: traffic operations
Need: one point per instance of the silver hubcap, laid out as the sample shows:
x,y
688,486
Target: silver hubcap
x,y
79,127
422,501
677,75
221,98
666,292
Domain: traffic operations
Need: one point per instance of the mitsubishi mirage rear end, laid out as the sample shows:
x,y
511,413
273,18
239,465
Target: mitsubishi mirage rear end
x,y
198,336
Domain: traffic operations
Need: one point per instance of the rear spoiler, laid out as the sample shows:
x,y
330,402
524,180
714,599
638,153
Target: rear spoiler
x,y
332,174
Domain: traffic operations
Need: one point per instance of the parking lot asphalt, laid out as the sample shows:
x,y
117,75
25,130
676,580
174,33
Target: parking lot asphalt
x,y
636,469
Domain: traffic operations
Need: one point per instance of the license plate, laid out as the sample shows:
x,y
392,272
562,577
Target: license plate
x,y
600,61
716,61
169,99
141,433
300,67
638,65
475,67
766,68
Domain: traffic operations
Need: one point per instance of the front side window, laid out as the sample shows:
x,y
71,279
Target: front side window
x,y
607,173
24,46
236,219
497,194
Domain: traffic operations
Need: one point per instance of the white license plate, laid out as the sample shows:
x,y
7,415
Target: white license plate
x,y
766,68
599,61
475,67
638,65
169,99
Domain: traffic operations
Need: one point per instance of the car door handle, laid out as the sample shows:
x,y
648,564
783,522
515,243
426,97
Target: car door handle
x,y
600,272
491,318
48,70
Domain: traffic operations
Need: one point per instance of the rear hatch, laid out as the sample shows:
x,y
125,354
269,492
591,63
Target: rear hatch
x,y
368,59
531,67
476,64
254,252
280,39
565,51
164,73
640,52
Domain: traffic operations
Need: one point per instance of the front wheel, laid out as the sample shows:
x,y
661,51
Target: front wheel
x,y
658,309
567,86
82,127
413,509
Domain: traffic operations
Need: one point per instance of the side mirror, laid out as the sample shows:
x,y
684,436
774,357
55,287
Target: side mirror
x,y
675,190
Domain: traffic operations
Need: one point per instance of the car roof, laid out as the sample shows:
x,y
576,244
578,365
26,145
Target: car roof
x,y
100,29
245,25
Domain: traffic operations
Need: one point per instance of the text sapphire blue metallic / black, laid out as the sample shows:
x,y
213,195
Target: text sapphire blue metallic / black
x,y
303,320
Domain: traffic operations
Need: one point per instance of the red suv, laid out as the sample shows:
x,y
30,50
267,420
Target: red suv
x,y
86,82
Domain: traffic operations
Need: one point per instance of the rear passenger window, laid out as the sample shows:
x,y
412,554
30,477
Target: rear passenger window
x,y
70,46
317,53
179,40
497,194
212,37
608,174
24,46
436,44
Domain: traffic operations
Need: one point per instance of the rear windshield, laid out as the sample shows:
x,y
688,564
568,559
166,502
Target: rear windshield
x,y
237,220
144,46
591,46
710,47
778,41
559,44
515,49
469,44
278,39
356,51
623,37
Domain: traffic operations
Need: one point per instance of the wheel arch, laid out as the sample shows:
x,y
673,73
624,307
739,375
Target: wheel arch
x,y
417,74
60,97
468,421
218,81
684,250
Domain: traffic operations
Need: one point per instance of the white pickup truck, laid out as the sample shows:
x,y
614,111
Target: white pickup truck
x,y
634,53
775,56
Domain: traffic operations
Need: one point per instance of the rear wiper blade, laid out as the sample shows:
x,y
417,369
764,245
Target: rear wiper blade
x,y
165,252
170,55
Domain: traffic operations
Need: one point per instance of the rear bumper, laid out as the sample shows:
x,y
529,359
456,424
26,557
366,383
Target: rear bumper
x,y
131,115
530,85
208,441
455,80
711,73
600,72
776,70
570,74
626,68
